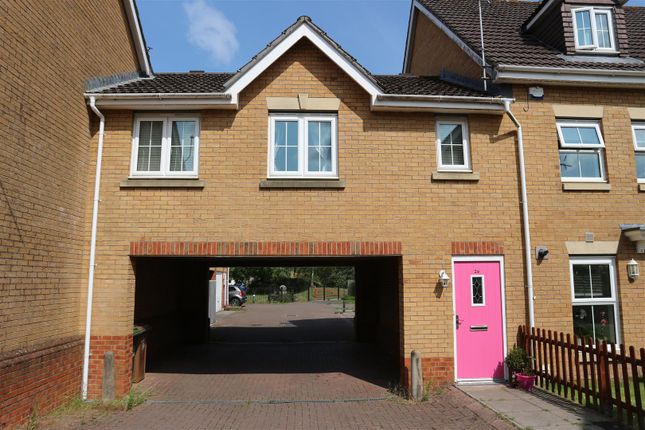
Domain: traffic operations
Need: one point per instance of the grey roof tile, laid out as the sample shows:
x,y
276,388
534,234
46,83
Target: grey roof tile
x,y
506,44
167,83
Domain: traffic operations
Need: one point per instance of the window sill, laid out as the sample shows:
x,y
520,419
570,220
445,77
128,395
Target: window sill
x,y
334,184
455,176
162,183
586,186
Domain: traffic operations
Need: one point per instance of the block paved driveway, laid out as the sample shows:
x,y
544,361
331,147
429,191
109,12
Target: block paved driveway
x,y
291,366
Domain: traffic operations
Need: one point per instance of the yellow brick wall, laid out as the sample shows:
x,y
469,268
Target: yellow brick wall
x,y
48,50
386,160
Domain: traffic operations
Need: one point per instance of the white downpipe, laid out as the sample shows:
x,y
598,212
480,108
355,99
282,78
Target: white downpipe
x,y
90,279
525,216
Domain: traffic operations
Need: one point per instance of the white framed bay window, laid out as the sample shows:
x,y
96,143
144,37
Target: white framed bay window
x,y
303,146
594,298
453,147
581,151
165,146
638,130
594,29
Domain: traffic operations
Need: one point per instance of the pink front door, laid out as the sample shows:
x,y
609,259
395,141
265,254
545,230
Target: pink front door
x,y
478,320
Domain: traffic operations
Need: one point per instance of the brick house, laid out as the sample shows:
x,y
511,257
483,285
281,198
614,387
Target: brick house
x,y
49,51
410,178
413,179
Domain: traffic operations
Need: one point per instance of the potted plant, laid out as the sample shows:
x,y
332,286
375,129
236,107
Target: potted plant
x,y
519,366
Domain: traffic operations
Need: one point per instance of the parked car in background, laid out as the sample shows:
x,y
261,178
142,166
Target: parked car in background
x,y
236,296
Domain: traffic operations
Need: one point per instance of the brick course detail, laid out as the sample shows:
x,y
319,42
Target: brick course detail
x,y
477,248
252,249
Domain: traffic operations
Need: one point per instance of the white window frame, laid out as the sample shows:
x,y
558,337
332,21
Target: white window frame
x,y
472,302
637,149
303,120
589,148
611,262
463,122
166,142
593,11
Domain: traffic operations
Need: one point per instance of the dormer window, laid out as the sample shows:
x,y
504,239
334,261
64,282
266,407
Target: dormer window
x,y
594,29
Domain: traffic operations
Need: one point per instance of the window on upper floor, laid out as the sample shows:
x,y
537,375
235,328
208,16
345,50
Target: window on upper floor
x,y
594,29
165,146
638,130
453,149
303,146
581,151
593,297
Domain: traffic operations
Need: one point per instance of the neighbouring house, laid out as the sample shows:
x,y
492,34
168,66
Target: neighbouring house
x,y
576,70
48,53
416,180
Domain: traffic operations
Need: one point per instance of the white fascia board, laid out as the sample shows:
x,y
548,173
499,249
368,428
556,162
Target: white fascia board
x,y
412,24
443,27
137,36
554,75
304,30
546,7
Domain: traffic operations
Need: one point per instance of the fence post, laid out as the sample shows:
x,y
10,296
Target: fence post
x,y
603,376
417,376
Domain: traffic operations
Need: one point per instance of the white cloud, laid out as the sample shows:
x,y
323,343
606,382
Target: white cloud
x,y
211,31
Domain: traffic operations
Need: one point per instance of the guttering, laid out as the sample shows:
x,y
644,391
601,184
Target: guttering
x,y
159,96
90,278
525,215
180,101
568,75
384,102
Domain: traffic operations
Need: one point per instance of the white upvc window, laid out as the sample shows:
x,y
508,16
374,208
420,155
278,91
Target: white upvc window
x,y
594,298
581,151
453,148
165,146
594,29
303,146
638,130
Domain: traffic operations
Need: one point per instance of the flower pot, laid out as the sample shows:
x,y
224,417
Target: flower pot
x,y
525,381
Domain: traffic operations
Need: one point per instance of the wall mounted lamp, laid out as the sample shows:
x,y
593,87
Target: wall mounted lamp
x,y
444,279
633,271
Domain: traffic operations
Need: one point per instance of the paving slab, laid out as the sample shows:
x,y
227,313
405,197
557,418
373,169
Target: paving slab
x,y
538,410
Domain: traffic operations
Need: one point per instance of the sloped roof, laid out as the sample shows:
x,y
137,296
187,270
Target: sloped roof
x,y
506,44
173,83
423,85
206,83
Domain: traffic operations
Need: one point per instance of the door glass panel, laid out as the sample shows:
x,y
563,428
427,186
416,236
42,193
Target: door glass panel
x,y
477,290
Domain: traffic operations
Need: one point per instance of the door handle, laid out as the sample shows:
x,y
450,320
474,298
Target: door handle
x,y
457,322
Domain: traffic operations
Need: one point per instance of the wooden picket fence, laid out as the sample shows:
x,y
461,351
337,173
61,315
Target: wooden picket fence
x,y
597,374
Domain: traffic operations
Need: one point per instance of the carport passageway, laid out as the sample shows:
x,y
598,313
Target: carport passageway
x,y
275,353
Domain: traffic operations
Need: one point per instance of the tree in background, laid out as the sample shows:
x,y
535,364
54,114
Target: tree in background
x,y
265,280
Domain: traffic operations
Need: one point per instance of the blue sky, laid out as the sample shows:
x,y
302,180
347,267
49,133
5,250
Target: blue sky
x,y
222,35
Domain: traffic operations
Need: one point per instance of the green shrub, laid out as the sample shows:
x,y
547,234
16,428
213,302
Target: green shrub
x,y
518,361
